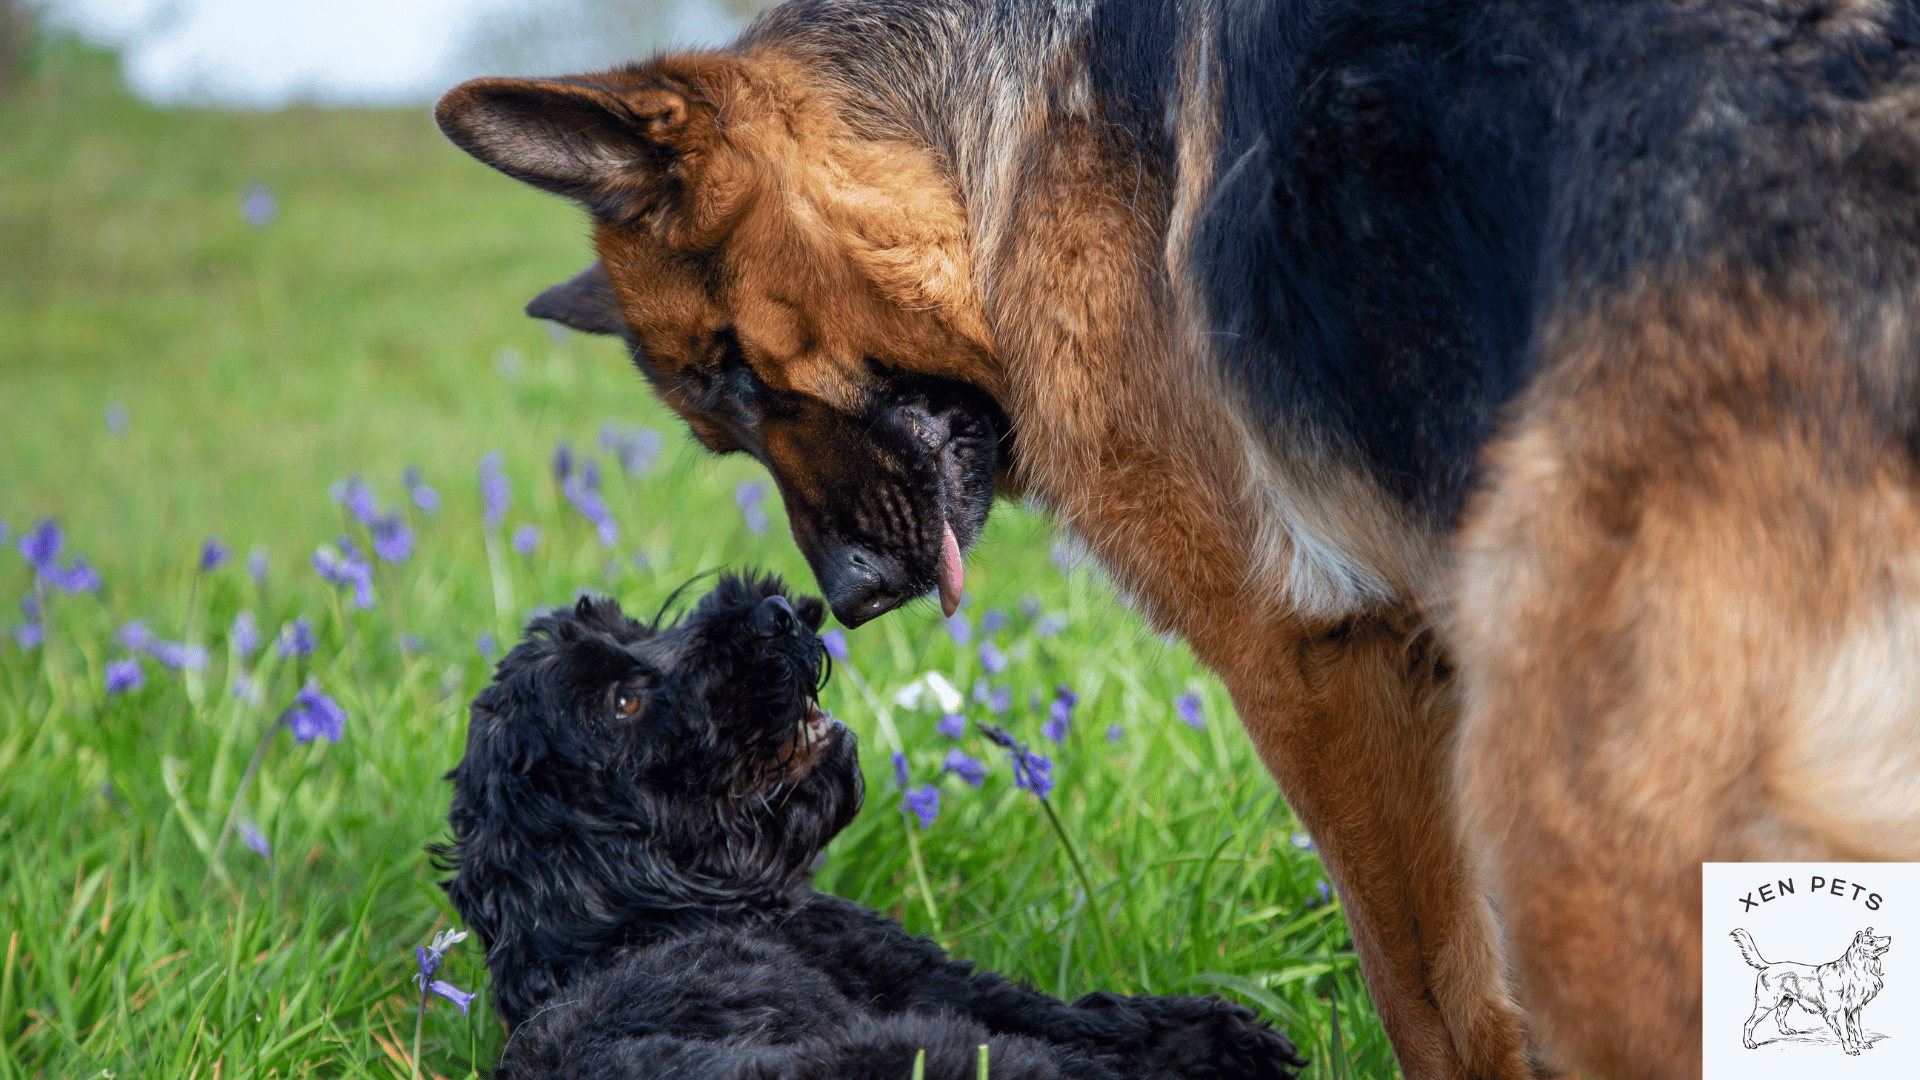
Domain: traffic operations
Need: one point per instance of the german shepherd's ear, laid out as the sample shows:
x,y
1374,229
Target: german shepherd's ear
x,y
584,301
607,145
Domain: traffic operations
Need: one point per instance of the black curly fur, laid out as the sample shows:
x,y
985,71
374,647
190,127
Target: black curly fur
x,y
643,886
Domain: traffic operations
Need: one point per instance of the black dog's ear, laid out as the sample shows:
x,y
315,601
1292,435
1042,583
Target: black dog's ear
x,y
584,301
611,141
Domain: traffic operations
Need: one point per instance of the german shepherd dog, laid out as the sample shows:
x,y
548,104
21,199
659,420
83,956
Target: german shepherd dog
x,y
1834,992
1513,402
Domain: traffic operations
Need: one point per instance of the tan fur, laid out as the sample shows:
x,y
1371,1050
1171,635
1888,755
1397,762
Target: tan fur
x,y
846,247
1680,602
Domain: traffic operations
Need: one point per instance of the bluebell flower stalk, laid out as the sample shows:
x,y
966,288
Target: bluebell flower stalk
x,y
429,959
1034,773
496,494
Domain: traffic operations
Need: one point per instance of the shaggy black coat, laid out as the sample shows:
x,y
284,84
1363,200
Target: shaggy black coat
x,y
635,822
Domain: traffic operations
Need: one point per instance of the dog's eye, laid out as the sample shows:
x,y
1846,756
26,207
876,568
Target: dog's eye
x,y
625,704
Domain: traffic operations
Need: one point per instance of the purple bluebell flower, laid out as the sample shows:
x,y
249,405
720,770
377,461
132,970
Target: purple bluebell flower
x,y
30,607
213,554
562,462
592,506
1068,554
982,690
125,675
245,688
1029,605
346,569
259,205
1326,894
992,659
452,993
1060,714
117,419
510,364
1031,772
357,496
952,725
993,621
1187,705
257,566
422,494
392,538
748,495
314,715
924,802
1115,732
959,629
1050,626
243,637
29,635
6,531
495,490
525,539
1058,723
835,642
40,545
413,643
965,766
178,656
590,473
487,644
134,636
900,770
256,840
75,577
296,639
1000,700
634,448
429,959
1302,841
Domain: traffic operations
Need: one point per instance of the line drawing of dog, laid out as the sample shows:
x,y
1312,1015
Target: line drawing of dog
x,y
1835,992
635,822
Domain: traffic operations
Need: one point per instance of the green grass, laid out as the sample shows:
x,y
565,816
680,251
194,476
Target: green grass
x,y
362,331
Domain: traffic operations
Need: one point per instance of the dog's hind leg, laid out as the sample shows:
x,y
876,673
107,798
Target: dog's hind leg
x,y
1764,1003
1689,618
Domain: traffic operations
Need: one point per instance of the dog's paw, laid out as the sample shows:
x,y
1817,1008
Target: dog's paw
x,y
1208,1038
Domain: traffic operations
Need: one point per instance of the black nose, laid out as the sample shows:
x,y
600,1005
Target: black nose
x,y
773,617
860,584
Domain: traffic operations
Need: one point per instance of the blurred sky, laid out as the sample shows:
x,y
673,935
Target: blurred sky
x,y
261,54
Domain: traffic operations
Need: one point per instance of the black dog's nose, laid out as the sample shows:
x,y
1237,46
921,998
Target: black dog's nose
x,y
860,584
773,617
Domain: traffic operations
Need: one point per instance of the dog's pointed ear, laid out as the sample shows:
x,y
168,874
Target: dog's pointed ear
x,y
605,144
584,301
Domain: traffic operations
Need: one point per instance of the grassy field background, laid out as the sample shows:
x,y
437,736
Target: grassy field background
x,y
171,372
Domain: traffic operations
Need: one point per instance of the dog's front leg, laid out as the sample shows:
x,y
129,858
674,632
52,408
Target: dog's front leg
x,y
1356,722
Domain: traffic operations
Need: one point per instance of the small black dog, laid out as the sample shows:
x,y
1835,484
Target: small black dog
x,y
634,825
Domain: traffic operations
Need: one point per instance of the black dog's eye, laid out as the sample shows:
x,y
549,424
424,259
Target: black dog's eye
x,y
626,703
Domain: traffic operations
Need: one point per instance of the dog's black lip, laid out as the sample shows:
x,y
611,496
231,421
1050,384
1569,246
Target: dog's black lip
x,y
949,493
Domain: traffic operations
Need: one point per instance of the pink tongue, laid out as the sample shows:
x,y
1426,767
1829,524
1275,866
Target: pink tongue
x,y
952,574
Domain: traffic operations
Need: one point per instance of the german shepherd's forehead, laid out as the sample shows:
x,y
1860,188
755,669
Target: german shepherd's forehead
x,y
741,220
